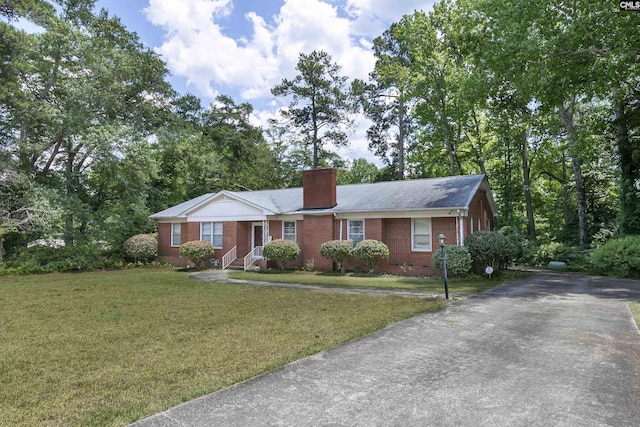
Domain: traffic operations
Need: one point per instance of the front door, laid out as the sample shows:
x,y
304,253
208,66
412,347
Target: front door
x,y
256,237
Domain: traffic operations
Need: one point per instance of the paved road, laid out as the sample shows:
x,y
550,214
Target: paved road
x,y
552,350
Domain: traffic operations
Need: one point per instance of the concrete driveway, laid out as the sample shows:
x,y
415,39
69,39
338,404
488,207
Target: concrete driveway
x,y
551,350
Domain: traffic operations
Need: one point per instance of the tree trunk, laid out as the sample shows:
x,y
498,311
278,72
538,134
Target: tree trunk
x,y
1,248
477,148
629,215
526,173
69,193
568,120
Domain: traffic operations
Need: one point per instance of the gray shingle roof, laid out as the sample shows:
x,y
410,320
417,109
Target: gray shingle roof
x,y
417,194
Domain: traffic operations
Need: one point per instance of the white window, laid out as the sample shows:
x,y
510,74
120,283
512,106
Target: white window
x,y
289,230
421,235
212,232
175,234
355,230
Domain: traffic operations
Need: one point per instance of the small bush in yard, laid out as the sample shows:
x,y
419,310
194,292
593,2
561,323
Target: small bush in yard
x,y
337,251
281,251
141,247
490,248
197,251
620,257
370,252
458,259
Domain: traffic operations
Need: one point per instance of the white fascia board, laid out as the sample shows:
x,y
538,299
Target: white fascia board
x,y
414,213
172,220
286,217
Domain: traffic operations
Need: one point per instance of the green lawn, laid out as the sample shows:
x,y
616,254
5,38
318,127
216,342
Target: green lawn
x,y
457,286
108,348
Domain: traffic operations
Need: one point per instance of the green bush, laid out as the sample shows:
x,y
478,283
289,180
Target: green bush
x,y
337,251
141,247
458,259
197,251
490,248
554,251
370,252
620,257
46,259
281,251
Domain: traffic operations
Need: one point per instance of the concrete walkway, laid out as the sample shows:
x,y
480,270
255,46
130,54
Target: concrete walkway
x,y
551,350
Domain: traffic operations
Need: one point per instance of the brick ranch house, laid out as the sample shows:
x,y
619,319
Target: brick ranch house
x,y
406,215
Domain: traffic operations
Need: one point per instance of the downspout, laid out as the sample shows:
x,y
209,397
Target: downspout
x,y
458,227
461,229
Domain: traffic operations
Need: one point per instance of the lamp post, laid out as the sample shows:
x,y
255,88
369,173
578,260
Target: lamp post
x,y
441,239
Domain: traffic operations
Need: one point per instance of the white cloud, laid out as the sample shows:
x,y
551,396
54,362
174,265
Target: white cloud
x,y
198,48
374,16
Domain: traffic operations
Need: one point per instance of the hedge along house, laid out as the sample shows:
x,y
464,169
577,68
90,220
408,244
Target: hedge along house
x,y
405,215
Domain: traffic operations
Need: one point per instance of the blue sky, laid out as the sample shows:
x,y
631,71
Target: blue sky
x,y
242,48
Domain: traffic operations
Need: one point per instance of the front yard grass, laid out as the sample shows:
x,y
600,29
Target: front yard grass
x,y
108,348
457,286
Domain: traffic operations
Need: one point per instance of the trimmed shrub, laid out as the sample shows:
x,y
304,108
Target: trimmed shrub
x,y
141,247
337,251
620,257
197,251
490,248
281,251
458,259
370,252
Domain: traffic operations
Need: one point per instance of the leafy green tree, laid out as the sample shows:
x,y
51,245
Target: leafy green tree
x,y
86,75
23,209
357,171
320,103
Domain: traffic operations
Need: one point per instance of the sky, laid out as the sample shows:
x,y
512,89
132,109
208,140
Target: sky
x,y
243,48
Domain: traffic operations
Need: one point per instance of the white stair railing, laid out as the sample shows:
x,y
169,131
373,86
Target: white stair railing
x,y
252,257
229,257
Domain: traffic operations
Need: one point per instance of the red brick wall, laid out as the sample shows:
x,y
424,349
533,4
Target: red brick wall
x,y
319,188
166,252
478,210
314,232
164,241
275,229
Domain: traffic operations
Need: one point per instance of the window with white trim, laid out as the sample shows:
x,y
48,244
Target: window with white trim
x,y
176,231
355,230
212,232
421,235
289,230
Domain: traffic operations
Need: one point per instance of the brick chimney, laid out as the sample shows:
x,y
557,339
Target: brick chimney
x,y
319,188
